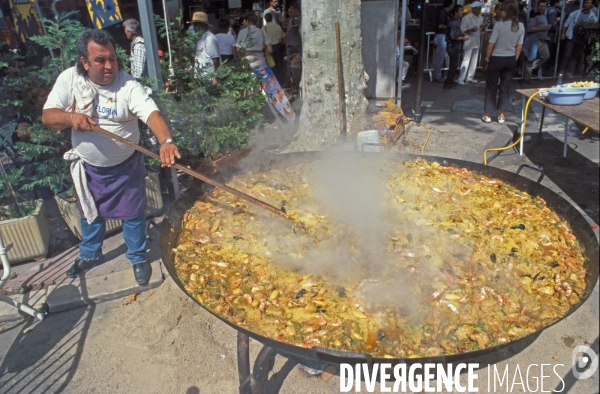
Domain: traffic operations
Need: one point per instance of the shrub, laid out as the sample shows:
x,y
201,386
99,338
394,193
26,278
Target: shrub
x,y
207,120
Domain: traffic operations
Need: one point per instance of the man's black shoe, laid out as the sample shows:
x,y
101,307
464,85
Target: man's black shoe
x,y
81,266
142,273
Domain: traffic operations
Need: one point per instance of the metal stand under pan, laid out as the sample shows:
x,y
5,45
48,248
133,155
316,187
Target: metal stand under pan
x,y
253,383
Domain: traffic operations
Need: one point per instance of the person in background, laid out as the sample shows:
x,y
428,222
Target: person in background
x,y
467,7
442,19
292,36
133,31
251,41
208,57
572,6
537,27
572,48
275,33
502,53
523,13
275,14
232,26
225,41
471,24
454,41
553,15
553,19
497,14
108,176
400,58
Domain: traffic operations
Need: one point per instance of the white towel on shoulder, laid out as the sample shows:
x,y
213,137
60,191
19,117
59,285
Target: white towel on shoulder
x,y
84,95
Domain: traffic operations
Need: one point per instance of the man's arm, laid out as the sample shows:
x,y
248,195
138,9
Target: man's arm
x,y
159,127
59,119
490,49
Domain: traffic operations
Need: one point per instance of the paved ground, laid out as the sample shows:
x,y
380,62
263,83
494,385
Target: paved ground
x,y
162,342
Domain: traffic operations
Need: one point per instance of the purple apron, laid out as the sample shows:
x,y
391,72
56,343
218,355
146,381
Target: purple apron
x,y
119,191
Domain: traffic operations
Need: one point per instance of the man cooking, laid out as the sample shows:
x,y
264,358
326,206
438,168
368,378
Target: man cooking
x,y
108,176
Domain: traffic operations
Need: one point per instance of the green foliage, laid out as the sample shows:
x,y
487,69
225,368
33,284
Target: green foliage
x,y
38,157
43,155
586,32
123,59
61,38
207,120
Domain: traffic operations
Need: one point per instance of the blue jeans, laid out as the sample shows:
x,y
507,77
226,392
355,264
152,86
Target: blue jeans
x,y
571,52
134,234
440,55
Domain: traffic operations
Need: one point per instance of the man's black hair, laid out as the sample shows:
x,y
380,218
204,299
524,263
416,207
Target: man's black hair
x,y
455,9
447,3
100,37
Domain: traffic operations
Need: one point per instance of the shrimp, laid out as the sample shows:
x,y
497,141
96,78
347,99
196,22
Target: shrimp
x,y
436,294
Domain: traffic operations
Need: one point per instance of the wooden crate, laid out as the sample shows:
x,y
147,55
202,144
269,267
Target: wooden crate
x,y
390,140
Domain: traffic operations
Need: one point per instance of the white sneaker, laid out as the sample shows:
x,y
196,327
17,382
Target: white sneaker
x,y
461,83
526,138
472,80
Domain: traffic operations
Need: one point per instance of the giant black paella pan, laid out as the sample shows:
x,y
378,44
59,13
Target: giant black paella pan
x,y
172,228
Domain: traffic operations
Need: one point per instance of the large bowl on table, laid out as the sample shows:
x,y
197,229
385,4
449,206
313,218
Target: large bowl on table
x,y
590,93
566,96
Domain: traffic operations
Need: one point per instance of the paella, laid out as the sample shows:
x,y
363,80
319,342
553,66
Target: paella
x,y
450,261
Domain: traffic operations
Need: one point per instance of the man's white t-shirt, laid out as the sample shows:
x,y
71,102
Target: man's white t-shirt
x,y
207,49
226,43
117,108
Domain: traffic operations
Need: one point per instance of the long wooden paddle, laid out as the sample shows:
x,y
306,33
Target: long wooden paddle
x,y
204,178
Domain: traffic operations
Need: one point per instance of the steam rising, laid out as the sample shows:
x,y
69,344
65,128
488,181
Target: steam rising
x,y
353,195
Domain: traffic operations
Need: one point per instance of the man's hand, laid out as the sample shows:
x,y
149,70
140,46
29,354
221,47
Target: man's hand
x,y
168,152
82,122
563,36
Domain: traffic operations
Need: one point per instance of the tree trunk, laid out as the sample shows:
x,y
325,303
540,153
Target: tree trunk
x,y
319,120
